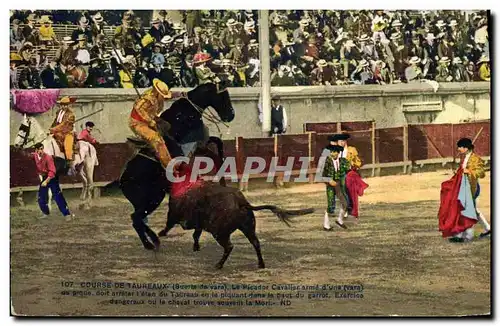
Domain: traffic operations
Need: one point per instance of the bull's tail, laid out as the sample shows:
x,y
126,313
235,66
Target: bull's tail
x,y
283,214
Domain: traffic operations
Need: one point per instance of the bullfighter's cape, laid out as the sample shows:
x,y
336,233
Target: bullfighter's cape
x,y
355,188
457,211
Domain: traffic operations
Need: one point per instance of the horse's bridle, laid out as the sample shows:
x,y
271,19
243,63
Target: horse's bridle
x,y
209,115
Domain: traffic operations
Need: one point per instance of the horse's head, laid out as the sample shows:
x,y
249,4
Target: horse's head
x,y
22,137
216,96
30,132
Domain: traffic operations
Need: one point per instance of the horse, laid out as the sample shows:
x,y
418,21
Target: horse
x,y
30,133
143,180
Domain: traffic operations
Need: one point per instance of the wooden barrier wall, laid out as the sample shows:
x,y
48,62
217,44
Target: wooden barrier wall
x,y
376,147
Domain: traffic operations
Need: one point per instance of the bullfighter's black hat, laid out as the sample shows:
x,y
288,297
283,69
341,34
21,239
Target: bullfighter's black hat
x,y
335,148
343,136
466,143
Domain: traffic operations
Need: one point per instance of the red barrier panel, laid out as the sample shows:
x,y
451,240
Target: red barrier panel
x,y
389,145
295,146
478,131
332,127
259,147
429,141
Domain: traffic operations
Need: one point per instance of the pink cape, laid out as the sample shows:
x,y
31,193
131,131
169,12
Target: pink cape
x,y
355,187
33,101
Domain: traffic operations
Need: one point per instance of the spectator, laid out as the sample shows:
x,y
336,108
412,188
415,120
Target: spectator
x,y
301,41
15,60
16,35
442,71
484,68
413,72
30,78
53,77
30,33
46,31
98,25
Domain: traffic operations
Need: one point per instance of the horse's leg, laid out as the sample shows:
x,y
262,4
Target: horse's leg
x,y
248,229
85,183
225,242
88,166
138,217
196,238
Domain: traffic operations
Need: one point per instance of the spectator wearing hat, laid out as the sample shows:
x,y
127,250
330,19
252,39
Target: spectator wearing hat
x,y
157,30
413,72
126,80
193,19
397,54
282,77
82,29
27,52
15,60
457,36
30,33
379,24
229,35
46,33
98,25
157,58
349,54
141,76
443,72
470,72
363,74
367,47
299,33
187,75
382,74
279,121
444,48
458,70
236,53
30,77
417,50
99,47
82,51
16,35
250,31
202,72
484,68
53,77
322,74
335,169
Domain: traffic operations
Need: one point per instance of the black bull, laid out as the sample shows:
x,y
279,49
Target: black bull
x,y
221,211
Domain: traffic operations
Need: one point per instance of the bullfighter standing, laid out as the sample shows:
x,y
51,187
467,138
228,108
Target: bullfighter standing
x,y
336,168
458,211
47,171
355,186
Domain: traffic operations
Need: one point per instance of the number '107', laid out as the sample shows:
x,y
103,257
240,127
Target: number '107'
x,y
66,284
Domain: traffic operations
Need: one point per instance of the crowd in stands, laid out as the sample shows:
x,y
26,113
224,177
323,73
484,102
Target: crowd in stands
x,y
111,48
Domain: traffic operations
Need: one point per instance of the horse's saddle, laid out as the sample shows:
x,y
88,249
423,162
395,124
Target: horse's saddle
x,y
137,142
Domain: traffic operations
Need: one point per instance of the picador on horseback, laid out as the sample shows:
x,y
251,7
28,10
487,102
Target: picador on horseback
x,y
177,131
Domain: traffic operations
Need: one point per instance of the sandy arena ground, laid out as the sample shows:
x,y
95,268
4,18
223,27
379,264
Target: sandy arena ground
x,y
395,256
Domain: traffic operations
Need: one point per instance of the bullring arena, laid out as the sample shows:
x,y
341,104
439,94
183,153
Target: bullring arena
x,y
395,252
